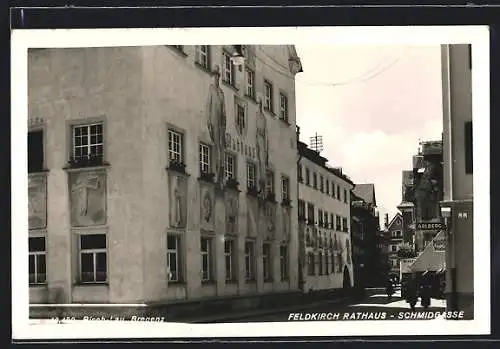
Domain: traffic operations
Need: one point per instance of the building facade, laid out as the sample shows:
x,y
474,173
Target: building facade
x,y
457,205
325,252
394,235
156,175
368,256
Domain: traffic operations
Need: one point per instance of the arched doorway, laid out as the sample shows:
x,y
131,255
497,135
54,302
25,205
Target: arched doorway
x,y
347,279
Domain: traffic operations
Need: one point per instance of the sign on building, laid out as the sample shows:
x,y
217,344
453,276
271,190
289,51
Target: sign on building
x,y
429,226
404,264
439,243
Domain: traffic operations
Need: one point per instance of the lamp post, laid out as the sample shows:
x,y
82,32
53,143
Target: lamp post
x,y
450,254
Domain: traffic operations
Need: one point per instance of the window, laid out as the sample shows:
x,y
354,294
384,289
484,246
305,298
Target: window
x,y
250,92
202,56
327,262
331,221
37,261
268,96
205,158
333,263
299,173
469,49
251,175
394,248
173,258
227,69
310,213
346,199
229,166
468,148
327,187
310,263
308,177
88,141
338,223
240,117
321,183
270,182
284,262
333,190
301,209
175,146
325,219
320,217
285,188
35,151
345,225
250,260
338,192
397,233
93,258
283,107
229,259
315,181
266,261
206,259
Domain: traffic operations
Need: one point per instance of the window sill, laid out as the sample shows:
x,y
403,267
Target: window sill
x,y
251,98
231,282
40,285
91,284
268,281
39,172
230,85
177,170
270,112
285,122
176,283
250,281
102,166
207,177
178,51
203,68
208,282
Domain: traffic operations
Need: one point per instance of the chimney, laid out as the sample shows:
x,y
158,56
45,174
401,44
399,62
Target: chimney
x,y
386,220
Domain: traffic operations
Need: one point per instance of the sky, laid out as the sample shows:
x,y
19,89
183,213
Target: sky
x,y
372,105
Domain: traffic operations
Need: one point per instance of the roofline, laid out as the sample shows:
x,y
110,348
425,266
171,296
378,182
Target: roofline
x,y
393,219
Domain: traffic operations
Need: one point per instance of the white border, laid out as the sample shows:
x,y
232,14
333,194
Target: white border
x,y
477,35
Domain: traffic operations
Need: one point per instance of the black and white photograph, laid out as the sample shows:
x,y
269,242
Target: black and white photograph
x,y
243,182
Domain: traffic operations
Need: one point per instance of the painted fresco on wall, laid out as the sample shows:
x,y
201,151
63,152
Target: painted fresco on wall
x,y
207,207
178,195
252,216
286,223
88,198
37,201
232,209
270,218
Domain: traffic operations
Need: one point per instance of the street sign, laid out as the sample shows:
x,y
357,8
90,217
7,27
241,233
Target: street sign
x,y
439,243
429,226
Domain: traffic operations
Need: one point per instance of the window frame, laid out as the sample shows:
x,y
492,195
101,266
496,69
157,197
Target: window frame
x,y
227,173
36,255
284,270
205,160
229,256
284,110
250,75
202,58
178,277
268,100
174,155
267,272
210,262
285,188
228,73
94,252
251,179
249,260
37,167
87,125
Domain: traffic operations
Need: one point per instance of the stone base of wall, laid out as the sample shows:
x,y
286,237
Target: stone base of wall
x,y
190,310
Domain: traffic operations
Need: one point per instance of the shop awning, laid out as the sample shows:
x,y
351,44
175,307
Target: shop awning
x,y
433,257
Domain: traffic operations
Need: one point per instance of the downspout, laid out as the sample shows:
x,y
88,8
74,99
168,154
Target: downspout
x,y
301,234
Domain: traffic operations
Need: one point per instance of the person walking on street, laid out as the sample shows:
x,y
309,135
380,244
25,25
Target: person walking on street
x,y
389,289
411,292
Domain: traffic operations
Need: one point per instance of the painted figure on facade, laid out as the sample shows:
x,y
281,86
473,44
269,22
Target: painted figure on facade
x,y
36,203
207,207
232,213
88,199
216,110
427,193
176,203
262,141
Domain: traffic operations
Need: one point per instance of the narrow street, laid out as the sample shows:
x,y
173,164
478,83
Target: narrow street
x,y
371,308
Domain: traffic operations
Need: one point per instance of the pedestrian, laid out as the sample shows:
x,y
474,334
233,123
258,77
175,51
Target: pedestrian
x,y
411,291
389,289
425,292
